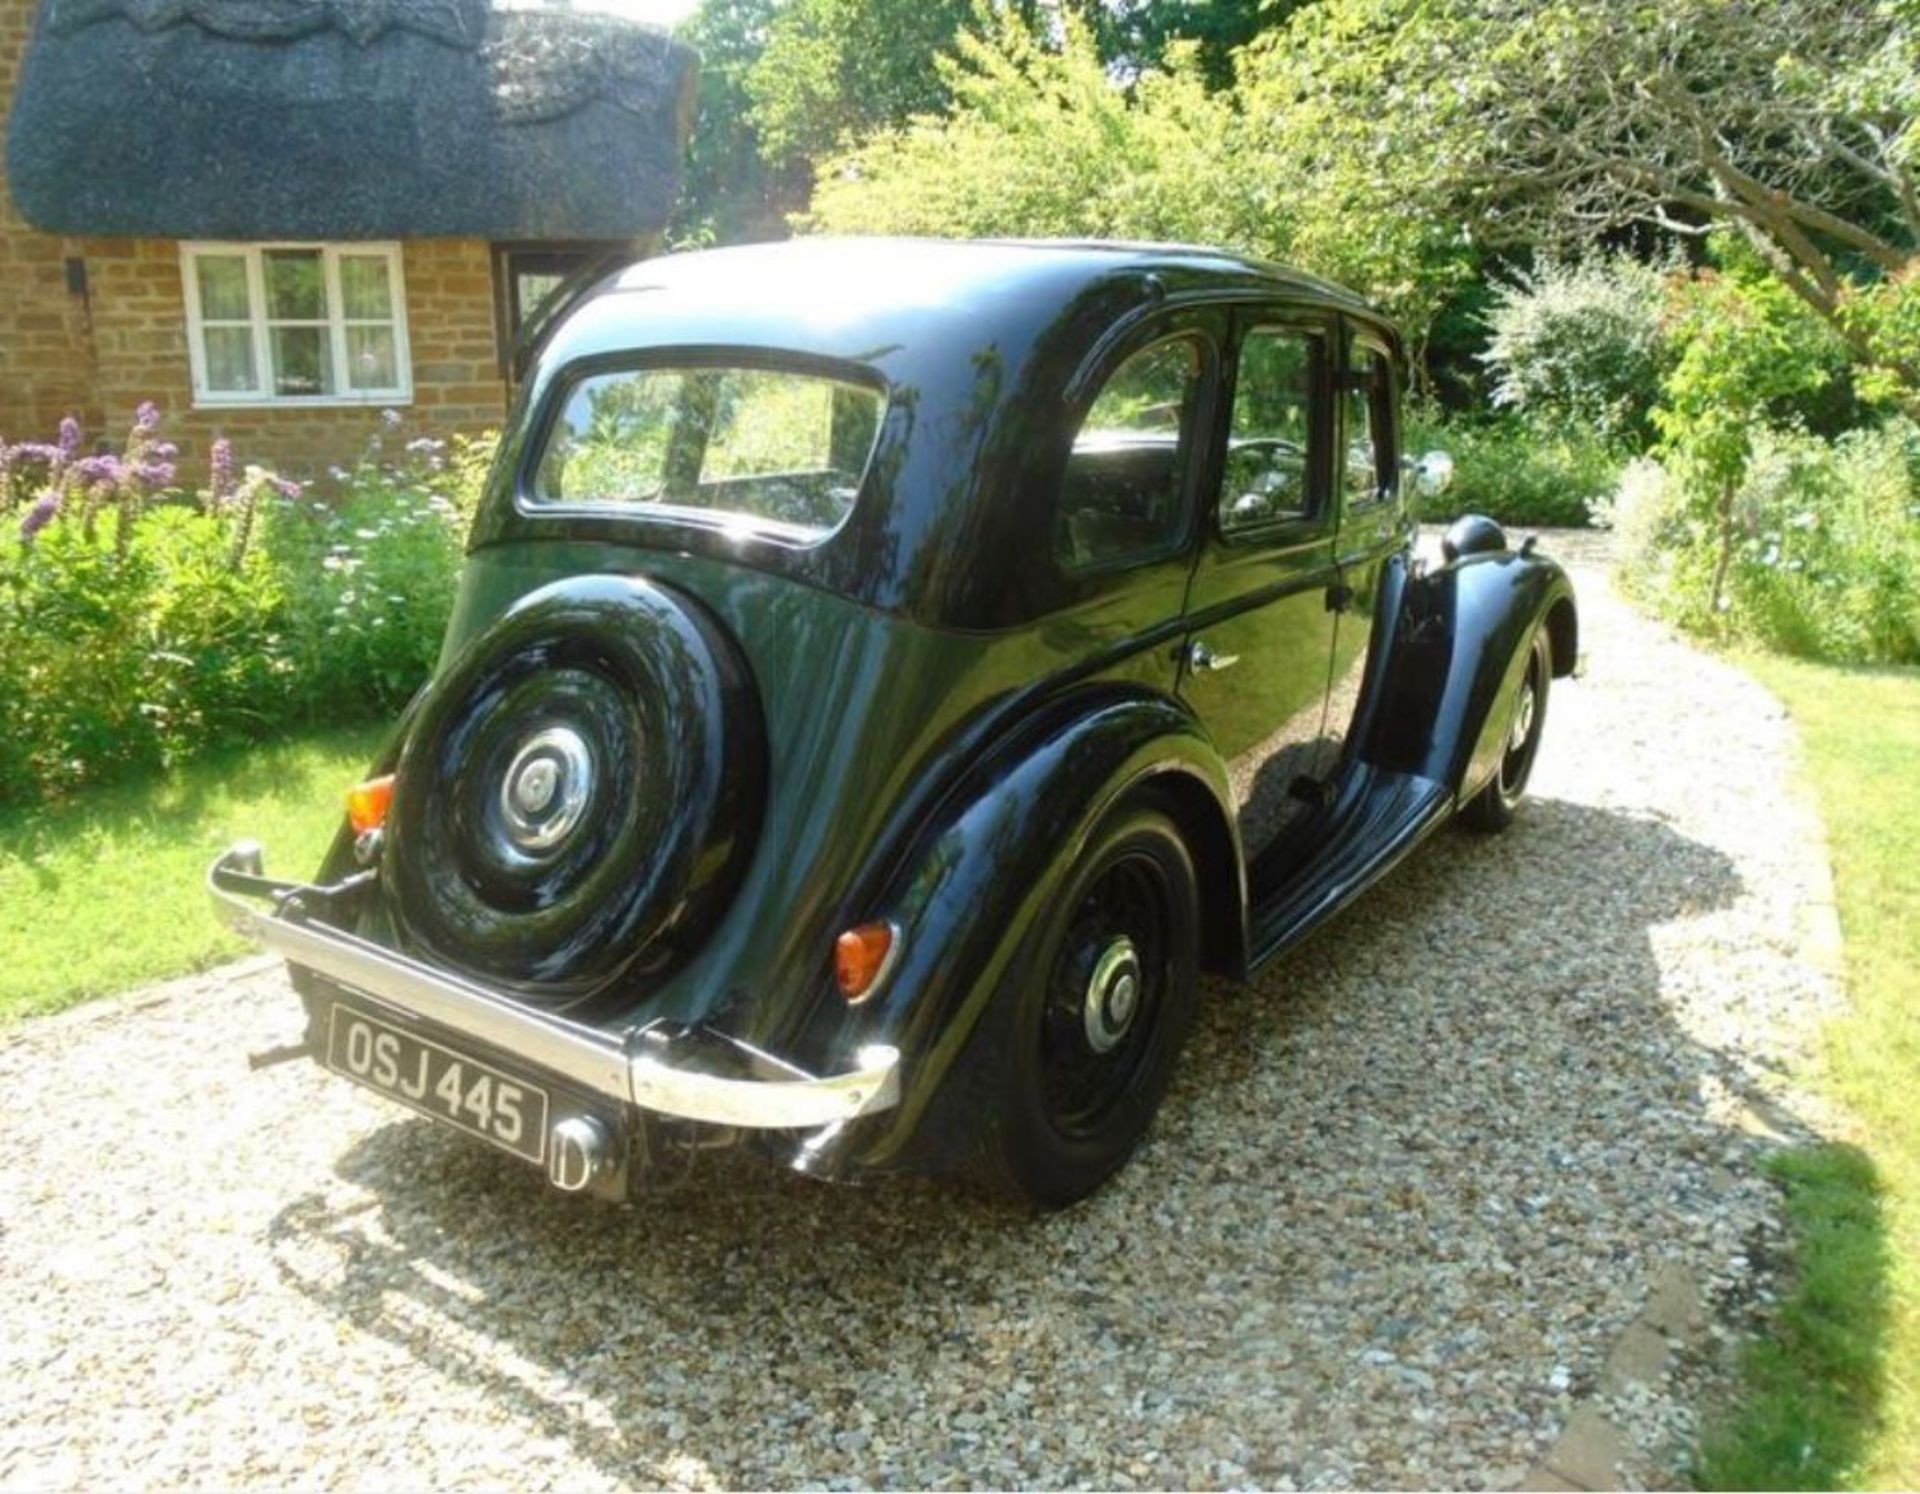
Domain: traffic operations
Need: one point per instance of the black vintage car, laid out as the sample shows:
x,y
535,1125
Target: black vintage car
x,y
884,677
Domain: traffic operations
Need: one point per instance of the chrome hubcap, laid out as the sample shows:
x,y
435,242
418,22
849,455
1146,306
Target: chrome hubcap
x,y
1113,995
545,789
1522,719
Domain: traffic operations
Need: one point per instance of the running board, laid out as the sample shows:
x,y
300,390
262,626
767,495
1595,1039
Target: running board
x,y
1385,816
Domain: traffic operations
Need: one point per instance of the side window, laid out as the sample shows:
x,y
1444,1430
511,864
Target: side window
x,y
1268,475
1365,404
1122,490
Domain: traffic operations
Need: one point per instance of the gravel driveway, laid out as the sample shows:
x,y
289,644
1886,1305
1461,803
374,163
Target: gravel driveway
x,y
1406,1202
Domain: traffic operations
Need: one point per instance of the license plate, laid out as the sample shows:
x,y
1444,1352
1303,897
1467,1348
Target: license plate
x,y
435,1080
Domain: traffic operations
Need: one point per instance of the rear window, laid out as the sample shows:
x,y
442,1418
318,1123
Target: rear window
x,y
776,449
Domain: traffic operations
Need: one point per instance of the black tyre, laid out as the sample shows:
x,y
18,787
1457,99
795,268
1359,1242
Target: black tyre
x,y
1095,1014
577,791
1494,807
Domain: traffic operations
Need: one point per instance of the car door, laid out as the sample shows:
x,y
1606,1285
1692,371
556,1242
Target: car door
x,y
1372,523
1123,524
1259,638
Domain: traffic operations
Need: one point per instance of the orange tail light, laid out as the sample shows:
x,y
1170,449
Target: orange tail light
x,y
860,958
367,804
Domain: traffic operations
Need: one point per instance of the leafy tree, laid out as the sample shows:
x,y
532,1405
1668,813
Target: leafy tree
x,y
1041,139
834,69
1747,346
729,195
1792,122
1134,34
1883,320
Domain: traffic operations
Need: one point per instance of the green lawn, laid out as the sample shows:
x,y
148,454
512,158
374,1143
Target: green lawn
x,y
104,892
1834,1398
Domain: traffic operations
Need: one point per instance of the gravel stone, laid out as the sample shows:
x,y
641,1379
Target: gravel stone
x,y
1408,1193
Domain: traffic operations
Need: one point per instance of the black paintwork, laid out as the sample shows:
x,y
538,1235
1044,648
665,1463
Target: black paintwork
x,y
948,711
657,688
1472,534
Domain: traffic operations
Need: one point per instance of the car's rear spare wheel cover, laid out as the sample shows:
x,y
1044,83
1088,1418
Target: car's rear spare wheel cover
x,y
577,792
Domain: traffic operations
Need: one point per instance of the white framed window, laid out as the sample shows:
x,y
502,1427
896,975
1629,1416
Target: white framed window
x,y
296,324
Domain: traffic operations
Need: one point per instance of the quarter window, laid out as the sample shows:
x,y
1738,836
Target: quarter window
x,y
1365,397
1121,496
296,323
1268,475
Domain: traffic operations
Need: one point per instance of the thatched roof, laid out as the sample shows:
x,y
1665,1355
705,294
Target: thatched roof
x,y
346,119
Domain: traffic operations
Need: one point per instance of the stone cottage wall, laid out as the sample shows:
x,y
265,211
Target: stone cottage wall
x,y
97,353
46,367
140,349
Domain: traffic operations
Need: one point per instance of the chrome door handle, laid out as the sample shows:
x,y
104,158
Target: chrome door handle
x,y
1203,660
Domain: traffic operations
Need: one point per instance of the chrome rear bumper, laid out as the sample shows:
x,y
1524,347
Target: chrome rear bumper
x,y
638,1068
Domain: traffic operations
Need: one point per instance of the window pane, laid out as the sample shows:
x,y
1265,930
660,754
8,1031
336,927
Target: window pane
x,y
370,360
364,289
1147,394
295,289
772,446
1362,473
229,360
531,287
302,361
766,423
1121,494
223,287
1266,477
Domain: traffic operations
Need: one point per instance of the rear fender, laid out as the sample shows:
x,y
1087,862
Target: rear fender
x,y
1457,657
984,868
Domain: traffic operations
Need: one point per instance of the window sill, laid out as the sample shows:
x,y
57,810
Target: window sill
x,y
303,402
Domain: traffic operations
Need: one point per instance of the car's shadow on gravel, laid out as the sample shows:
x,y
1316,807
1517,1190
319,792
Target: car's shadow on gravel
x,y
1411,1173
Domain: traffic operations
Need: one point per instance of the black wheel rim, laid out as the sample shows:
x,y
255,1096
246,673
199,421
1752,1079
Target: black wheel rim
x,y
1523,739
1098,1038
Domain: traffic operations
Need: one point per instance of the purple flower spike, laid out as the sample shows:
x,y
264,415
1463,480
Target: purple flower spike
x,y
146,419
41,514
220,464
152,475
103,468
69,438
287,488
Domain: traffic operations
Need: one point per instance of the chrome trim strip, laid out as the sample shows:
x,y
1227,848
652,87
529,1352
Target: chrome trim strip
x,y
586,1056
805,1103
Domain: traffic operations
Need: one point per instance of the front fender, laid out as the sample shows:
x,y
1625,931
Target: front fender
x,y
1456,660
985,866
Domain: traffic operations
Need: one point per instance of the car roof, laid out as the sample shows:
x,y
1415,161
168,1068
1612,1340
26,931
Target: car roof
x,y
981,344
904,268
865,298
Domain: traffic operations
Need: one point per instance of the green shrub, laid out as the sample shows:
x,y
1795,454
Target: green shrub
x,y
1824,560
367,584
1513,471
1764,530
141,624
1581,345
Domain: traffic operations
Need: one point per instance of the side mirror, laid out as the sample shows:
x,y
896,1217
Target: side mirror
x,y
1432,474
